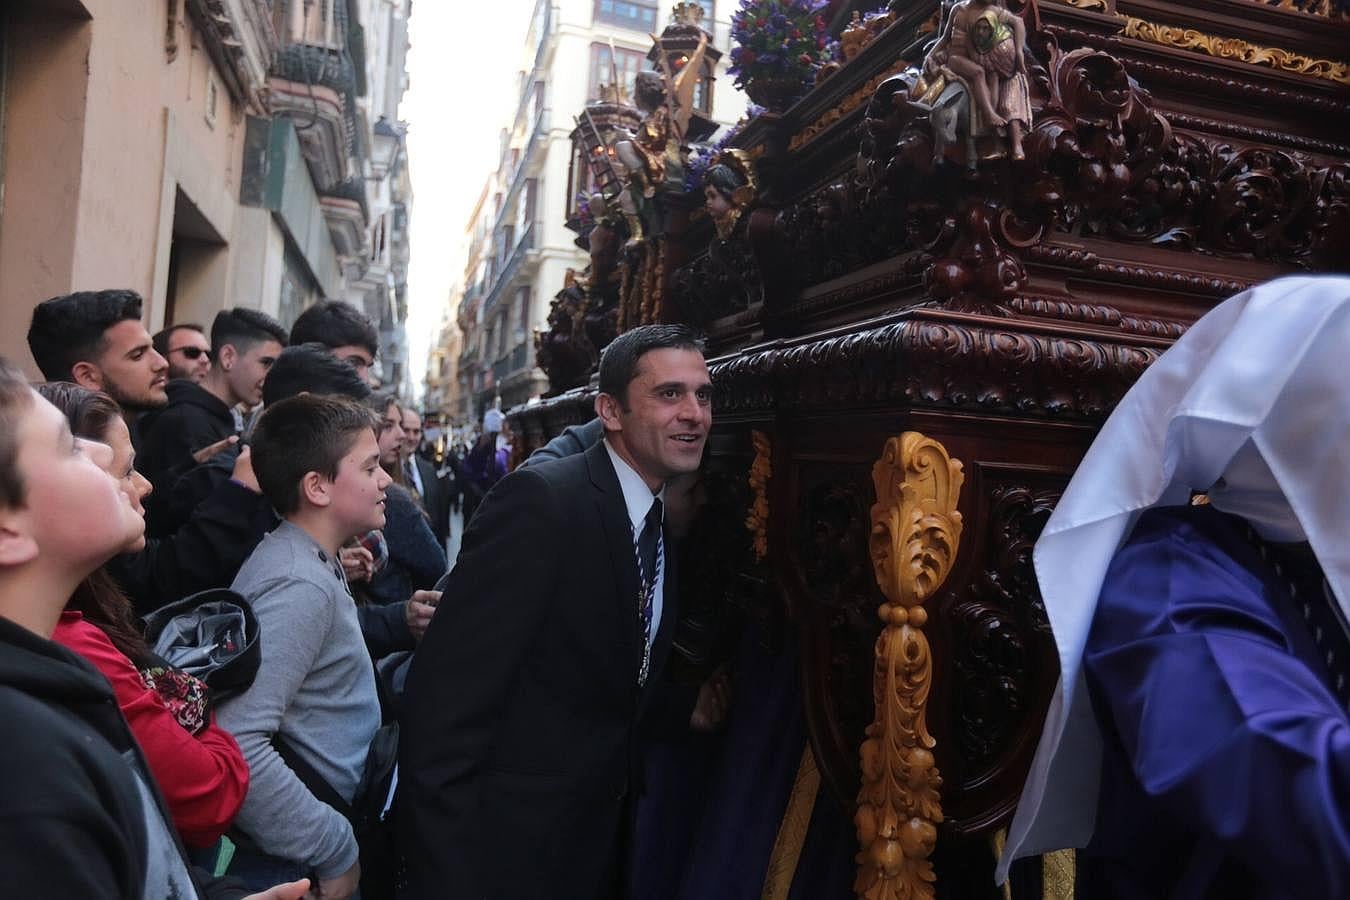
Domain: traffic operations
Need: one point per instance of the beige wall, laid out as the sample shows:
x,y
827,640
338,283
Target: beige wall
x,y
45,59
102,132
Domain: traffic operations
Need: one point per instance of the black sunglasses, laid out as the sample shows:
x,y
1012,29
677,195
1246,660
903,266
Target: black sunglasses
x,y
193,353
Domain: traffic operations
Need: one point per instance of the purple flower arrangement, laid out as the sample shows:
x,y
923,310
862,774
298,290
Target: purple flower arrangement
x,y
778,39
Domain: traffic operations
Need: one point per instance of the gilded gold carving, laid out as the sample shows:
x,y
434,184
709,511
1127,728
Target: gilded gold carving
x,y
787,847
760,471
916,531
1234,48
844,107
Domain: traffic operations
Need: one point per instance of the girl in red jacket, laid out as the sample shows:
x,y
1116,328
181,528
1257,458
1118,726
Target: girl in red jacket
x,y
198,766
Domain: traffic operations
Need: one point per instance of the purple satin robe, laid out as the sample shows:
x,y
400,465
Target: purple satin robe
x,y
1226,770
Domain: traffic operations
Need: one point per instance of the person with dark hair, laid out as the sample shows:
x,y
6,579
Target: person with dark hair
x,y
416,560
198,767
344,330
317,459
419,475
244,344
300,369
577,662
96,340
187,349
312,369
82,816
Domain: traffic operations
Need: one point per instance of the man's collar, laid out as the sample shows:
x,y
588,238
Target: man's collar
x,y
637,497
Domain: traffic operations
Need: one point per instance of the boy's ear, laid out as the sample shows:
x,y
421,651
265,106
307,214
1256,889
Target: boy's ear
x,y
314,489
17,546
227,357
87,375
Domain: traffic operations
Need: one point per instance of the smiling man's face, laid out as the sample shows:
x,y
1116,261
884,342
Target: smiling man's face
x,y
660,426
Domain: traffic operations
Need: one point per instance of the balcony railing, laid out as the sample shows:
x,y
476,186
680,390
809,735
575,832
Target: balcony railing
x,y
541,126
508,271
515,361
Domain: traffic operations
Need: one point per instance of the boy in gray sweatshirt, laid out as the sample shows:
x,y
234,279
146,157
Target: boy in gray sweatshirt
x,y
317,461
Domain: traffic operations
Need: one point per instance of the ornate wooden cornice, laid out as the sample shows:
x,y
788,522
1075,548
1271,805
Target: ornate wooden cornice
x,y
932,359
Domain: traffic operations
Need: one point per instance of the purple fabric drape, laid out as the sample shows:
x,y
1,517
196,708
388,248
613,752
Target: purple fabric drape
x,y
1226,768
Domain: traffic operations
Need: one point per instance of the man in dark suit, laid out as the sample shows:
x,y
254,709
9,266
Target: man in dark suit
x,y
519,752
421,475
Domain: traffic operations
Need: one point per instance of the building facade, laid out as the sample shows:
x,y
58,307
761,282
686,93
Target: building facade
x,y
205,153
519,248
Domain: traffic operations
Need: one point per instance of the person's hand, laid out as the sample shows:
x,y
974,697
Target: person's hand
x,y
357,562
292,890
714,698
421,606
210,450
340,888
243,471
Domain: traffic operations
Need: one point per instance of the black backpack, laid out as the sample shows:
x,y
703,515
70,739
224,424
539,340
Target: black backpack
x,y
212,635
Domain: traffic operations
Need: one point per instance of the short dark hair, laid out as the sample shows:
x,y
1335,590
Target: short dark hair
x,y
161,338
69,329
303,434
336,324
16,398
312,369
619,362
244,329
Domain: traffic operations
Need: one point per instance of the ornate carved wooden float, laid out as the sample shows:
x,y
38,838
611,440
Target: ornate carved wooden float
x,y
910,355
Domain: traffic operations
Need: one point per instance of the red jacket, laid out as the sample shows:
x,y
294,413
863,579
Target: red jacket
x,y
203,777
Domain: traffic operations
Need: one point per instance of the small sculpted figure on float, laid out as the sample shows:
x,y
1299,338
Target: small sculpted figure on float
x,y
729,189
982,48
653,159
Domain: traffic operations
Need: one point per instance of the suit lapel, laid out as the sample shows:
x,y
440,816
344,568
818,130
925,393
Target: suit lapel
x,y
613,515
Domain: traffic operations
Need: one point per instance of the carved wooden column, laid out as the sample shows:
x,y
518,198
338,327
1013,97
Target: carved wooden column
x,y
915,534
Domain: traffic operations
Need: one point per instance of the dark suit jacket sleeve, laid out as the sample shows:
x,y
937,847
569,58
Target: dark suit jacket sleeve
x,y
385,628
411,542
574,439
205,553
494,601
179,432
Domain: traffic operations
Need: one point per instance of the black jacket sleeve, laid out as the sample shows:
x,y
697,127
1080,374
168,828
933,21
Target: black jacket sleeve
x,y
385,628
574,439
205,553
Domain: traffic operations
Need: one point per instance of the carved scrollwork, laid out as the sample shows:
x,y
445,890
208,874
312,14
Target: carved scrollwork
x,y
916,531
996,626
936,364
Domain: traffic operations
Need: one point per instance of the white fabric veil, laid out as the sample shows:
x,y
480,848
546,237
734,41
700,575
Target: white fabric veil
x,y
1256,391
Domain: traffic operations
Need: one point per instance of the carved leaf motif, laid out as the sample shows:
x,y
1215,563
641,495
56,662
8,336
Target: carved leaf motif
x,y
916,530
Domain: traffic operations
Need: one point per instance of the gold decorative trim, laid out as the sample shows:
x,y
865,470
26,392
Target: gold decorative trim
x,y
1235,48
916,531
760,472
787,847
844,107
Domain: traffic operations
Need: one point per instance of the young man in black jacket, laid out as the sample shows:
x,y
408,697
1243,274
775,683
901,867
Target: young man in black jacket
x,y
244,344
81,815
